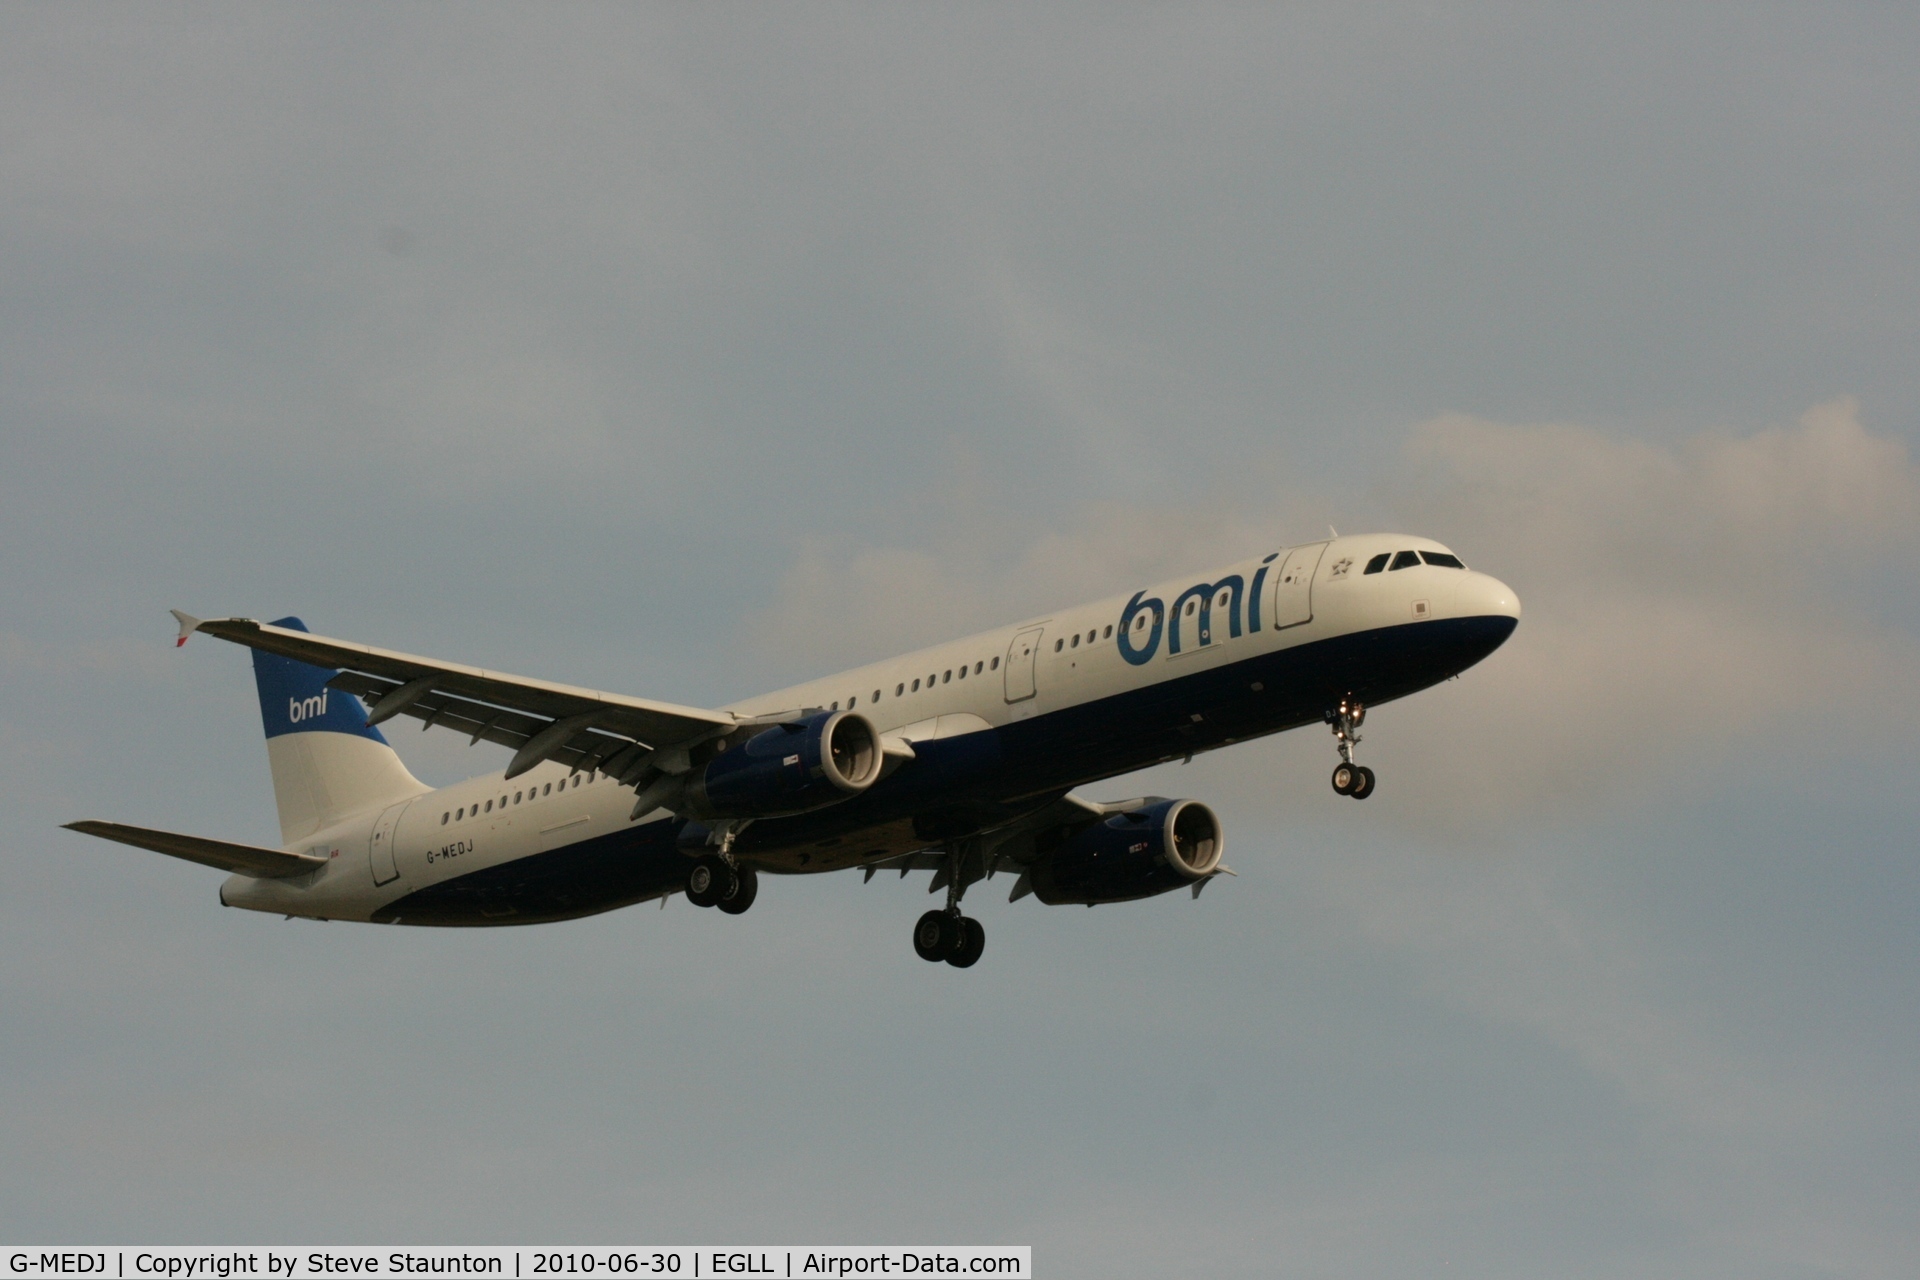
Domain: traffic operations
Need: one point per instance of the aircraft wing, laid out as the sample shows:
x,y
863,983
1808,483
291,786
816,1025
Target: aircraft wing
x,y
247,859
1013,846
583,728
1009,847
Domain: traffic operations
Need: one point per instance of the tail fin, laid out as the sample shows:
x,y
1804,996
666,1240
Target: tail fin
x,y
328,762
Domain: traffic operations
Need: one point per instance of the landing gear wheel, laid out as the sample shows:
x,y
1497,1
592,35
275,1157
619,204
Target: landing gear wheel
x,y
746,885
1363,786
935,935
1346,777
973,940
710,881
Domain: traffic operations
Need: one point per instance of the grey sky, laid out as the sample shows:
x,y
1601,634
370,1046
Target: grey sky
x,y
687,351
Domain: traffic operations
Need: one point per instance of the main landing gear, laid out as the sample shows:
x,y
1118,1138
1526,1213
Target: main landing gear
x,y
717,881
1350,779
949,936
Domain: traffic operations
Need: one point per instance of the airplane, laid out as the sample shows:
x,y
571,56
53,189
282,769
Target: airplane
x,y
960,759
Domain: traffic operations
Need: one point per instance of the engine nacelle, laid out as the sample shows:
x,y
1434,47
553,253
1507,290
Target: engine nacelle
x,y
790,768
1162,846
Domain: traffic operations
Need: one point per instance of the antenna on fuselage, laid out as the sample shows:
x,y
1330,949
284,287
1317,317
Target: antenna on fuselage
x,y
1331,531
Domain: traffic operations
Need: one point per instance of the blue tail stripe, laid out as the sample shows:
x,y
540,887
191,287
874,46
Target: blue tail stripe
x,y
294,697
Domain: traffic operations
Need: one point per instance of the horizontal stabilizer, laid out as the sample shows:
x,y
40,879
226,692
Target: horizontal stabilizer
x,y
247,859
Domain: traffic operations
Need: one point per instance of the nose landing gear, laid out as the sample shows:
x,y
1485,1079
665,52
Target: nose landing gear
x,y
1354,780
1350,779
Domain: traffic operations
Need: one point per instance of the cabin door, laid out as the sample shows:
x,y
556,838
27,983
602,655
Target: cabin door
x,y
1293,593
1020,659
380,847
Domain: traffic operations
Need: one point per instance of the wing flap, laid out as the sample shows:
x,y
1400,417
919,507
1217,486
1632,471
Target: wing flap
x,y
585,748
247,859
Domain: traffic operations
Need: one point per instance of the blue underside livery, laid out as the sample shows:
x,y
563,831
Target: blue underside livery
x,y
965,784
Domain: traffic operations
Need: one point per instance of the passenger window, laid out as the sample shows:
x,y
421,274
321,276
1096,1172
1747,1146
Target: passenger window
x,y
1139,622
1076,639
1058,645
547,790
1404,560
1221,603
835,706
876,695
1379,562
1442,559
976,668
1109,632
445,818
994,665
916,684
1191,606
460,813
963,673
489,806
946,675
503,802
516,797
899,689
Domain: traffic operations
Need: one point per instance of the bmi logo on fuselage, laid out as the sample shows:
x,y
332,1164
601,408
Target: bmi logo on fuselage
x,y
1227,593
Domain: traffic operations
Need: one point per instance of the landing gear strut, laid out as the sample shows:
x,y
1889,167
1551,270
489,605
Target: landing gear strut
x,y
1350,779
948,935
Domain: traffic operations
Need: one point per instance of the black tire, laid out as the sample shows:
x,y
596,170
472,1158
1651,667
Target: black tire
x,y
746,887
1345,778
709,880
934,935
973,940
1364,786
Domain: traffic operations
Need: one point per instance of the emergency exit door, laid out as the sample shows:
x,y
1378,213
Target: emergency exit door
x,y
1020,658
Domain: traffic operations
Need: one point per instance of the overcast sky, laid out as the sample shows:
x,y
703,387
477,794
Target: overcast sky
x,y
690,351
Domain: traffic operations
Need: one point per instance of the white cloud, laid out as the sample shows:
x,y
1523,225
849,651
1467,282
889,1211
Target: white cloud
x,y
1677,599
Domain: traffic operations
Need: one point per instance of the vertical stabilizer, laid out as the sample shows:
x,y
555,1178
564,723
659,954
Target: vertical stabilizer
x,y
328,763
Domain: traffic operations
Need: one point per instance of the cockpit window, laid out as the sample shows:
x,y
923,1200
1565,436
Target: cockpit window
x,y
1405,560
1442,559
1379,562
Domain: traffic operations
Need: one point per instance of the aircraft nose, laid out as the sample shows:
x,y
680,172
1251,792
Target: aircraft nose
x,y
1494,597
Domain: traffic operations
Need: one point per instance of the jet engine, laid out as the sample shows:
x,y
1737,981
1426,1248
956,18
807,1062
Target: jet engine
x,y
1162,846
791,768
